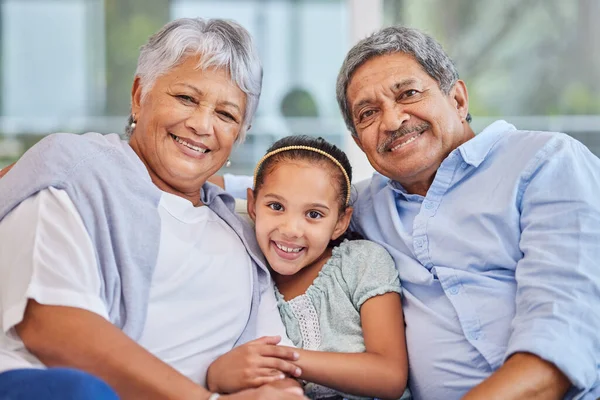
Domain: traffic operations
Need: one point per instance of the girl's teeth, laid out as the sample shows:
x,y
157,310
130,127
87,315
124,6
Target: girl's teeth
x,y
288,249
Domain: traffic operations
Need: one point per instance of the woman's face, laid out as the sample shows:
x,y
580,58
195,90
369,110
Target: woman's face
x,y
186,125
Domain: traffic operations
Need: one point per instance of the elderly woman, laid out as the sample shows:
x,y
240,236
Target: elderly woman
x,y
118,262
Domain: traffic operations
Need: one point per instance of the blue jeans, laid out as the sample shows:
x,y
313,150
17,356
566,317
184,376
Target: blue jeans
x,y
53,384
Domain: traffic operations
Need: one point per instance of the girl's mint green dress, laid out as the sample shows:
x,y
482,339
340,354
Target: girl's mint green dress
x,y
327,316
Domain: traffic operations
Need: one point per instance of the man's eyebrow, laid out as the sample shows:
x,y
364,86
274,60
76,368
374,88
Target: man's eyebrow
x,y
402,84
360,104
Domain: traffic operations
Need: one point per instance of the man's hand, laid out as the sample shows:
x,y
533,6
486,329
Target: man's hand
x,y
4,170
252,365
268,393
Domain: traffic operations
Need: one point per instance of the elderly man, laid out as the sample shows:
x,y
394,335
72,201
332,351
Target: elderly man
x,y
495,236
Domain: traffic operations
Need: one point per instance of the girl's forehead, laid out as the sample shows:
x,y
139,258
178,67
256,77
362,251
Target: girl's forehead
x,y
308,177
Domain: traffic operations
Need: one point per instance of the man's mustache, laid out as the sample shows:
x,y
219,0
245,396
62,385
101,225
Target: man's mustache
x,y
406,130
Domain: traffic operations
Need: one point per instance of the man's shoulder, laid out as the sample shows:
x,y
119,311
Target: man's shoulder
x,y
519,147
366,194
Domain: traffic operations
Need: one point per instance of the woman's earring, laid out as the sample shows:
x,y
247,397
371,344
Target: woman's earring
x,y
228,164
132,124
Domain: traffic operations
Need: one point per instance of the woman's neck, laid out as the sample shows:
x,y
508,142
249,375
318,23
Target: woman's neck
x,y
291,286
193,196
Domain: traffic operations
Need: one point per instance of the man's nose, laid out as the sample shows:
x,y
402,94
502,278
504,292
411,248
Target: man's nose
x,y
393,118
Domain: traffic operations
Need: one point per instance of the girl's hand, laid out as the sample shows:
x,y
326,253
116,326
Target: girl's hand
x,y
252,365
267,393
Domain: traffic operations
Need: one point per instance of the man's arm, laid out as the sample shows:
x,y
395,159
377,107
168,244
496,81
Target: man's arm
x,y
67,336
554,341
523,376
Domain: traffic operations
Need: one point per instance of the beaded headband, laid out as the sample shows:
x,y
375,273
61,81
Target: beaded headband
x,y
323,153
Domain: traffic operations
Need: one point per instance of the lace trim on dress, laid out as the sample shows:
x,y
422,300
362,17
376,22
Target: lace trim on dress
x,y
308,319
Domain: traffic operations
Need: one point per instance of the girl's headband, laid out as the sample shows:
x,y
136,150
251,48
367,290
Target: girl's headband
x,y
323,153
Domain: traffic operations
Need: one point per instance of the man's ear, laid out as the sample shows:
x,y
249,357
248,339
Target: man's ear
x,y
251,203
460,96
136,96
342,223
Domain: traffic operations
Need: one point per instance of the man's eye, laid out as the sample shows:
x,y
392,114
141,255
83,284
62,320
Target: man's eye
x,y
366,115
275,206
314,215
409,93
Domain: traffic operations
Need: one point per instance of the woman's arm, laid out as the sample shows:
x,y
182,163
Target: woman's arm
x,y
382,370
68,336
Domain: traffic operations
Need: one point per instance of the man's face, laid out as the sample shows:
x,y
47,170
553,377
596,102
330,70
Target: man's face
x,y
405,124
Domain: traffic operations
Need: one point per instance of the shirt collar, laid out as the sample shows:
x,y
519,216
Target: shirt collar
x,y
475,150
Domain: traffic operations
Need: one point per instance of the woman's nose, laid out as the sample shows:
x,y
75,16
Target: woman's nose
x,y
200,121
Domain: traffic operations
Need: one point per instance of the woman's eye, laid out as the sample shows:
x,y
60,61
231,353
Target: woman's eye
x,y
186,99
275,206
227,116
314,215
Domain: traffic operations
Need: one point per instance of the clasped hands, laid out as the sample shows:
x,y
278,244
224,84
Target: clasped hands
x,y
252,365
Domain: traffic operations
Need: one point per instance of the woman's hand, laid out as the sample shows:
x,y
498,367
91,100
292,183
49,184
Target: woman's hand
x,y
267,393
252,365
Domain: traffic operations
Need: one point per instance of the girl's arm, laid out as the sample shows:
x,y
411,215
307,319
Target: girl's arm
x,y
382,370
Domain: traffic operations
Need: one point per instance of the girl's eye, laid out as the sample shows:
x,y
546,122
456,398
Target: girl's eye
x,y
275,206
314,215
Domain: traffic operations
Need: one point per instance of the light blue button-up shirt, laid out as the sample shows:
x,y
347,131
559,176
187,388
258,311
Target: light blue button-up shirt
x,y
501,256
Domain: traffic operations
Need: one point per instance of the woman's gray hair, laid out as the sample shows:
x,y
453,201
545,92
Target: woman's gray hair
x,y
396,39
221,43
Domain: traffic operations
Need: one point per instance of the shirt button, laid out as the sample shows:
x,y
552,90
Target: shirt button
x,y
419,242
428,205
453,290
464,165
473,336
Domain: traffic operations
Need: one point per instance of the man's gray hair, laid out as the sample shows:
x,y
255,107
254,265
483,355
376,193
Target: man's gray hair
x,y
396,39
221,44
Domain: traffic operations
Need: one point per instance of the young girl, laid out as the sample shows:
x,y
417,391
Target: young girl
x,y
338,299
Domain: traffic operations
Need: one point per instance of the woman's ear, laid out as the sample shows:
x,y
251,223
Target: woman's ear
x,y
342,223
136,96
251,204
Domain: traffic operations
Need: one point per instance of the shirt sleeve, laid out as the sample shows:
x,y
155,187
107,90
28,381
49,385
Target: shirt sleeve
x,y
46,255
558,278
268,320
368,269
237,185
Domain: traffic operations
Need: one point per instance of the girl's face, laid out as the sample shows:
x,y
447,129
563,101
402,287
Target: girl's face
x,y
296,212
